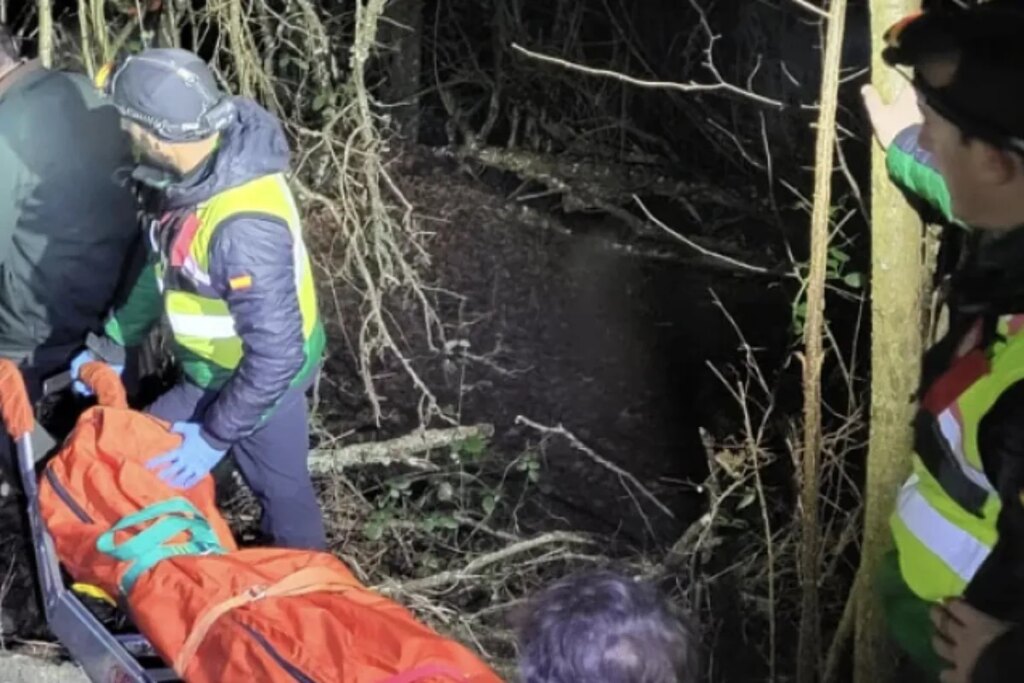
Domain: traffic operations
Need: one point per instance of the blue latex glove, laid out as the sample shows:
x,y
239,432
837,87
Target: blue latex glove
x,y
87,356
187,464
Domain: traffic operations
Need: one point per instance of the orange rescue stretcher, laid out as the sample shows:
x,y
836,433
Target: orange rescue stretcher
x,y
205,610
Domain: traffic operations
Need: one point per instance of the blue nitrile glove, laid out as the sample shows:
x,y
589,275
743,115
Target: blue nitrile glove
x,y
87,356
187,464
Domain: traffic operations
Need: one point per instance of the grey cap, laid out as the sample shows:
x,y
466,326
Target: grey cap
x,y
171,93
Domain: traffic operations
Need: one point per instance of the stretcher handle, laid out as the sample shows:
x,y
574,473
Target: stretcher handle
x,y
15,406
105,383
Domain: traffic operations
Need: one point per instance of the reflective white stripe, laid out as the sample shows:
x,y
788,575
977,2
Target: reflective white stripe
x,y
200,325
192,268
951,430
960,551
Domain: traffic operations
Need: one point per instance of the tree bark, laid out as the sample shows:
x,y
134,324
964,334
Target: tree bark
x,y
896,277
44,9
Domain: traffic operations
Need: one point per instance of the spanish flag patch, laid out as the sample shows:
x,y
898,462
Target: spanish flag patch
x,y
240,282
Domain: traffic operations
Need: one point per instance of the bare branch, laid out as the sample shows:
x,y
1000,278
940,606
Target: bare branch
x,y
480,563
586,450
641,83
810,8
693,245
398,450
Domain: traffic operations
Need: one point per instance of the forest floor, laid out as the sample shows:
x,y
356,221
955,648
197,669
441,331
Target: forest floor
x,y
544,323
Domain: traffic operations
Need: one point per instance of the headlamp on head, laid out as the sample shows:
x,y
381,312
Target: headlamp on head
x,y
190,107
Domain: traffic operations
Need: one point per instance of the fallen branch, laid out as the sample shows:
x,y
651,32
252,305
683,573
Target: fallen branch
x,y
398,450
591,182
622,474
480,563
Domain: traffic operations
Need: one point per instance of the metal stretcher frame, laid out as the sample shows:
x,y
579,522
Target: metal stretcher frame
x,y
105,657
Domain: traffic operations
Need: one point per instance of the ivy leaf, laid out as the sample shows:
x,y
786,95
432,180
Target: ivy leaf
x,y
489,504
839,255
853,280
474,445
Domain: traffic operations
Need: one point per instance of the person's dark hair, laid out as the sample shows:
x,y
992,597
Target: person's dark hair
x,y
601,626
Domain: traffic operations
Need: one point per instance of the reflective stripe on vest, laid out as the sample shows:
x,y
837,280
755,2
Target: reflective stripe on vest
x,y
202,325
945,521
958,550
950,422
204,329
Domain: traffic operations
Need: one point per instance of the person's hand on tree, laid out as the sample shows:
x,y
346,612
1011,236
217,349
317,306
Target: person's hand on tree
x,y
961,634
889,118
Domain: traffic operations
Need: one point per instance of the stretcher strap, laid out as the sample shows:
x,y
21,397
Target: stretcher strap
x,y
302,582
148,547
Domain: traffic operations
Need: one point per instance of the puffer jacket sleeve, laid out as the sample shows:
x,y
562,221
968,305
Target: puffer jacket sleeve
x,y
913,170
252,267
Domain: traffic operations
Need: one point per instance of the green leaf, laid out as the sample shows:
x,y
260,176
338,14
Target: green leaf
x,y
747,499
373,531
320,101
489,504
446,522
474,445
838,254
853,280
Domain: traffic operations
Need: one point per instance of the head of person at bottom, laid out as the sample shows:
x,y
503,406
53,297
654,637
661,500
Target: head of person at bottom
x,y
603,626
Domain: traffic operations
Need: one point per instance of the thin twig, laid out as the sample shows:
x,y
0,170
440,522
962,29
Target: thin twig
x,y
642,83
810,8
589,452
693,245
480,563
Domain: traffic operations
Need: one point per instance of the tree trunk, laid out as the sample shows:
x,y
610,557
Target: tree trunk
x,y
44,9
896,277
809,644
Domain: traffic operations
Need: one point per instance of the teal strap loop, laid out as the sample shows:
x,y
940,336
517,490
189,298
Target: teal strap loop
x,y
148,547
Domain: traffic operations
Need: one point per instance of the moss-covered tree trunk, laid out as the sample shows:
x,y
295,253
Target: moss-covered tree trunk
x,y
896,297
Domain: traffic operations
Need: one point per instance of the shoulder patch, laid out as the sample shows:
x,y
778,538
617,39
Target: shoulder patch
x,y
240,282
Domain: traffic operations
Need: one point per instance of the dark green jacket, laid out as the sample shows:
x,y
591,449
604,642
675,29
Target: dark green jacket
x,y
67,217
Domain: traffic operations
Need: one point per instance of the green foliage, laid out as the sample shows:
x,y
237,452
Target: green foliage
x,y
839,274
473,486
